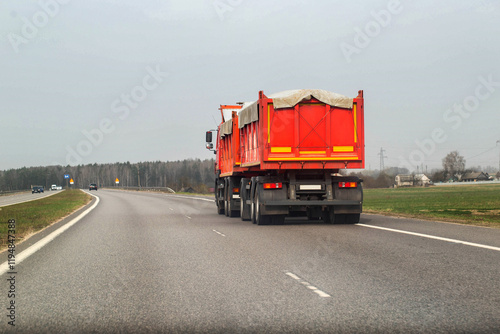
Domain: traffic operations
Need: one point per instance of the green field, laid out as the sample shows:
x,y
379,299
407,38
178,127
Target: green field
x,y
35,215
468,204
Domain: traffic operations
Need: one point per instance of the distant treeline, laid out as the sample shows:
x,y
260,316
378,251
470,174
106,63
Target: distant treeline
x,y
194,173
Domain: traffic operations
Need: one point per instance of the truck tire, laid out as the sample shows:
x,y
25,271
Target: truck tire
x,y
352,218
220,205
346,218
252,212
253,190
244,208
260,219
232,210
279,219
226,204
329,217
220,208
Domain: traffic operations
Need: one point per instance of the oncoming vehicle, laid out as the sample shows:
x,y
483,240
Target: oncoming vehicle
x,y
36,189
93,186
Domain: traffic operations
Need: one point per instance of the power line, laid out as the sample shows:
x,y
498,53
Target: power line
x,y
488,150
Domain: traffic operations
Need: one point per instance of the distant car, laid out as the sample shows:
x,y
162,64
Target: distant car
x,y
93,186
53,187
37,189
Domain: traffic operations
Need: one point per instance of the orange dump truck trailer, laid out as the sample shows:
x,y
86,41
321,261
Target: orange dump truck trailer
x,y
281,155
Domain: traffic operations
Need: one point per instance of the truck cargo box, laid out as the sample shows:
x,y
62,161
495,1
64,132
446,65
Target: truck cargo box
x,y
281,155
302,129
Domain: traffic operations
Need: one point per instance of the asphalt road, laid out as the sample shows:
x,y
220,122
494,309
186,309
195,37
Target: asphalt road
x,y
24,197
149,263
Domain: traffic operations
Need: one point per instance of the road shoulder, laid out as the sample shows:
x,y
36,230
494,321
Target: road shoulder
x,y
37,236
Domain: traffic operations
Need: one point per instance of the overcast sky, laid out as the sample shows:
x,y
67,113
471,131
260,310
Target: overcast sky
x,y
126,80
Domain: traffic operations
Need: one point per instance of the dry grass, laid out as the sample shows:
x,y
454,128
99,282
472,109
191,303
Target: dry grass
x,y
33,216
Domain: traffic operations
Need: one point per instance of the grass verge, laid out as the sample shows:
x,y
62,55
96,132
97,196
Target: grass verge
x,y
467,204
35,215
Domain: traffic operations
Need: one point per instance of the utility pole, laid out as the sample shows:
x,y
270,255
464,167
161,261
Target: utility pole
x,y
382,156
138,177
498,142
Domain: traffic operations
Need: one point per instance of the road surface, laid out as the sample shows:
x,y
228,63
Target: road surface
x,y
24,197
149,263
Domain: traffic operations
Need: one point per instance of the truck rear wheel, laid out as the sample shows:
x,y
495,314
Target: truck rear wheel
x,y
231,210
344,219
252,212
218,190
329,217
244,207
226,204
220,208
260,219
278,219
349,218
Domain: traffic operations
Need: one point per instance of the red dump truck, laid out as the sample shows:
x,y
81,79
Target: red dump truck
x,y
281,155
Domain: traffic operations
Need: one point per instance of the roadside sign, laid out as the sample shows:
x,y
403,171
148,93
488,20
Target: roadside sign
x,y
117,181
71,181
66,176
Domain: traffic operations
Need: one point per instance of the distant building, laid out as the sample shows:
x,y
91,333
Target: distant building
x,y
408,180
422,180
474,177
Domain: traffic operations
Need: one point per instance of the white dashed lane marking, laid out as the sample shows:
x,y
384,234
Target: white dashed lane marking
x,y
308,285
221,234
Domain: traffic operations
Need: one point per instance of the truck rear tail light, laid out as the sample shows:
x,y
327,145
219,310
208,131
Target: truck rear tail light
x,y
236,190
273,185
348,184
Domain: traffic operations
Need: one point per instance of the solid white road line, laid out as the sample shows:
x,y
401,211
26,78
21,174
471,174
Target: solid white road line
x,y
308,285
432,237
4,267
199,198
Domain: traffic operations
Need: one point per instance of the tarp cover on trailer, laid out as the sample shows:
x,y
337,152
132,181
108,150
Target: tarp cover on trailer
x,y
226,128
248,114
289,98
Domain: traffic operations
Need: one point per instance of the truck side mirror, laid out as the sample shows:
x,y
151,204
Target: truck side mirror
x,y
209,137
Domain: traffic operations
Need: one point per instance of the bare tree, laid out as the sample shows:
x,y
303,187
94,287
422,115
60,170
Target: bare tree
x,y
454,165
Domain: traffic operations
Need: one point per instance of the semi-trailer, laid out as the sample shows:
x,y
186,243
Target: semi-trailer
x,y
282,155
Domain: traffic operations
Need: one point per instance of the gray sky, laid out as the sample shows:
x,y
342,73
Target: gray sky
x,y
121,80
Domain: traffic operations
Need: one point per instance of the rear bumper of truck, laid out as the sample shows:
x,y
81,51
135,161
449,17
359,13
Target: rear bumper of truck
x,y
313,203
286,206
